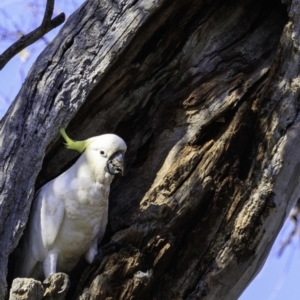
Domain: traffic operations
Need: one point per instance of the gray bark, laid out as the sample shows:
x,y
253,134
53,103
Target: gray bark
x,y
206,95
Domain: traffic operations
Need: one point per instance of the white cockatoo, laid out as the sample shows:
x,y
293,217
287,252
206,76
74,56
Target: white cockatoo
x,y
69,213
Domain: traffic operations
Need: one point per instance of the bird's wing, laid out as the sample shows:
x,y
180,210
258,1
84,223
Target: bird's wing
x,y
44,223
52,211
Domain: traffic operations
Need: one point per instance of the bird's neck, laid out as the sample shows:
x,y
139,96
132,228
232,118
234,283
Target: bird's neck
x,y
97,173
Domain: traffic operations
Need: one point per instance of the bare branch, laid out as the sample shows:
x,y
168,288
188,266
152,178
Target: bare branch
x,y
47,25
295,218
48,13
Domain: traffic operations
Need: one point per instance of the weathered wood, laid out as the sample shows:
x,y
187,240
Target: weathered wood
x,y
205,93
55,287
26,289
57,85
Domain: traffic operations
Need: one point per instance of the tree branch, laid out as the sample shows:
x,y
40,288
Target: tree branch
x,y
28,39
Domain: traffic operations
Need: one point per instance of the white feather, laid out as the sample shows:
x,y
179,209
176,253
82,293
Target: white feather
x,y
69,215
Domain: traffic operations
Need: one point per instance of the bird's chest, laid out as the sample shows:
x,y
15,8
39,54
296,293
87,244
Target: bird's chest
x,y
85,215
90,201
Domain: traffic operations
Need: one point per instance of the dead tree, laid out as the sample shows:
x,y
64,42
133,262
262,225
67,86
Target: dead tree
x,y
206,95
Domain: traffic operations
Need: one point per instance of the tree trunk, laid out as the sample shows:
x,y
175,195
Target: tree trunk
x,y
205,93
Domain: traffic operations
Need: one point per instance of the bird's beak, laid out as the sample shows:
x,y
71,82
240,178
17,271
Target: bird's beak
x,y
116,164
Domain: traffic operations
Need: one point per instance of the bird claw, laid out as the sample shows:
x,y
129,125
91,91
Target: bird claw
x,y
46,282
64,287
57,283
62,290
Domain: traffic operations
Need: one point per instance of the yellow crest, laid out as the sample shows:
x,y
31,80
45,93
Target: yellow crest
x,y
79,146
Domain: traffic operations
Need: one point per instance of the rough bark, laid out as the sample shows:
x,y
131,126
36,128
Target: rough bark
x,y
206,95
55,287
26,289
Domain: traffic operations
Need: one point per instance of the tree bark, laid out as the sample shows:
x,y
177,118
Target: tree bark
x,y
206,95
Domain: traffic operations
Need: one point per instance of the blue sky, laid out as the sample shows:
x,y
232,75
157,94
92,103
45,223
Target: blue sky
x,y
23,16
279,278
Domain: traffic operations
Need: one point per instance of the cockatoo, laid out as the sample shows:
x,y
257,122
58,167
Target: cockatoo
x,y
69,213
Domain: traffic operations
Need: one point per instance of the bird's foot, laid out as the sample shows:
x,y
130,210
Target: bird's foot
x,y
107,249
56,286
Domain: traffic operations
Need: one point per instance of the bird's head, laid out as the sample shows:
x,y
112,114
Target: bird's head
x,y
103,152
107,151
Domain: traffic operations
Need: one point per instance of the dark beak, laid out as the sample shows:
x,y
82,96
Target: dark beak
x,y
116,164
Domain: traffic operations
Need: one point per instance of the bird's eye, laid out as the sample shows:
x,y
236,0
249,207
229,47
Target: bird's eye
x,y
102,152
